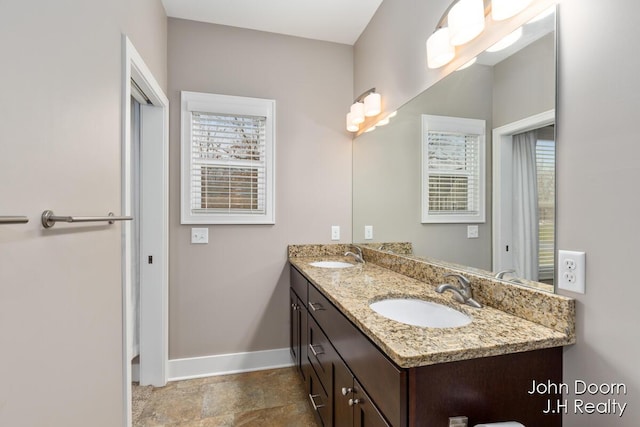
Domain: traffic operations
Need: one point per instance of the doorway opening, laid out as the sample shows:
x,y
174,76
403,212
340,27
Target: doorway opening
x,y
524,198
145,122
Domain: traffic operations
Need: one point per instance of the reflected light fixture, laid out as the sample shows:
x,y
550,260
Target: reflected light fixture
x,y
468,64
543,15
369,104
463,21
506,41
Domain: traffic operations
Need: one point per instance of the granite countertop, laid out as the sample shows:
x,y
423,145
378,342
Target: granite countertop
x,y
491,332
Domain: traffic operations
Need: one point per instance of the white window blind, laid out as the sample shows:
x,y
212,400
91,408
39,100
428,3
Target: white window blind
x,y
227,160
545,169
453,169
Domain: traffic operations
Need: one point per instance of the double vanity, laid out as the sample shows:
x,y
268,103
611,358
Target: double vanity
x,y
377,345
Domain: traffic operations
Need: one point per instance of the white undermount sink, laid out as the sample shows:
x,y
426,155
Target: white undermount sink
x,y
418,312
331,264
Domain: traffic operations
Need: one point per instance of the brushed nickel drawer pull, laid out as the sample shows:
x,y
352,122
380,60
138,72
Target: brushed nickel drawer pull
x,y
313,402
346,390
313,350
314,308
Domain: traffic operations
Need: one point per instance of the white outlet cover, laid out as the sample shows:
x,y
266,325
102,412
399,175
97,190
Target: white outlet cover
x,y
472,231
199,236
572,271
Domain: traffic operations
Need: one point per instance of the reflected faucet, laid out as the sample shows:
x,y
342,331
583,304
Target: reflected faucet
x,y
357,256
463,294
500,274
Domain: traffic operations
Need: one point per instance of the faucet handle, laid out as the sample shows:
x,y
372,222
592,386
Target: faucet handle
x,y
464,282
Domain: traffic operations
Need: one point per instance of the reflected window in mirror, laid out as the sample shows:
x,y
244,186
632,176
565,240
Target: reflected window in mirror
x,y
453,155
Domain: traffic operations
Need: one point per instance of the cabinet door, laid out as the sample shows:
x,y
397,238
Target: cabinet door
x,y
365,413
342,392
294,329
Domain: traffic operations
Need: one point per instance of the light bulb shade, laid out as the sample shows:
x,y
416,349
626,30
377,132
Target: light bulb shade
x,y
357,112
466,21
439,51
504,9
351,127
468,64
506,41
372,104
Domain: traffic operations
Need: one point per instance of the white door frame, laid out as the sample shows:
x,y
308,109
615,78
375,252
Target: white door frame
x,y
503,186
154,222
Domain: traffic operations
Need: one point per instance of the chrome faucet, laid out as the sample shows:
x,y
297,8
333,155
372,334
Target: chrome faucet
x,y
357,256
463,294
500,274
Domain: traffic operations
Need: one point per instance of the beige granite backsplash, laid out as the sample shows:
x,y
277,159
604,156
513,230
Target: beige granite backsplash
x,y
550,310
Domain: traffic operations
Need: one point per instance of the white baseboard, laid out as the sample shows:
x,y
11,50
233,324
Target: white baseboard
x,y
222,364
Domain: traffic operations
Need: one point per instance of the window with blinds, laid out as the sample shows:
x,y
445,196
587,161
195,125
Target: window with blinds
x,y
228,153
545,169
453,169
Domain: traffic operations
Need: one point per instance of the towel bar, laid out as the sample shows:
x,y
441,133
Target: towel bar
x,y
13,219
49,219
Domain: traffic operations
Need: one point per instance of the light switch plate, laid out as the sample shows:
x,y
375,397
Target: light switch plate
x,y
368,232
472,231
335,232
199,236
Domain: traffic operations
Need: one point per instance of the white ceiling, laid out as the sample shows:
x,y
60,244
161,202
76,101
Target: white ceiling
x,y
340,21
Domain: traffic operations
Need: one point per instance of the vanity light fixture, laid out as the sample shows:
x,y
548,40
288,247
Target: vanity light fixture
x,y
369,104
463,21
466,21
505,9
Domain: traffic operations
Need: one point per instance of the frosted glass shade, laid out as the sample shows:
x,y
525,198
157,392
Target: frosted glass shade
x,y
506,41
351,127
466,21
439,50
357,112
468,64
372,104
504,9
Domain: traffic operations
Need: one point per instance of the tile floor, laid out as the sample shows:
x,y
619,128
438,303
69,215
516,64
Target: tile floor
x,y
272,398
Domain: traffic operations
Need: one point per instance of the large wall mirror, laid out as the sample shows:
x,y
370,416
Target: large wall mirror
x,y
512,93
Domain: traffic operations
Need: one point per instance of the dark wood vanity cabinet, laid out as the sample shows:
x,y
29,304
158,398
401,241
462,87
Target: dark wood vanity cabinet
x,y
352,383
298,329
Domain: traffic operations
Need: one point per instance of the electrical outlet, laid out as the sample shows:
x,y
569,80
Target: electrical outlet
x,y
571,271
335,232
199,236
368,232
472,231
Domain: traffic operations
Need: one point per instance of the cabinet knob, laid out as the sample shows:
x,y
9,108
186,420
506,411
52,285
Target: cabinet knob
x,y
346,390
355,401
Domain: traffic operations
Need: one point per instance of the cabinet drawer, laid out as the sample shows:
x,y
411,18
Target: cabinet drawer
x,y
299,284
377,374
321,354
320,400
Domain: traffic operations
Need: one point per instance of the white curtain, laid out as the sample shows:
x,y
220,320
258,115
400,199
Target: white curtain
x,y
525,206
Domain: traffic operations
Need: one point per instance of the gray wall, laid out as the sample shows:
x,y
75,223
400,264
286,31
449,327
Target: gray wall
x,y
524,84
231,295
597,163
60,136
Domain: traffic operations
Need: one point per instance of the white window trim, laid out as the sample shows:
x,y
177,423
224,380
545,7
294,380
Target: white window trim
x,y
226,104
453,124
